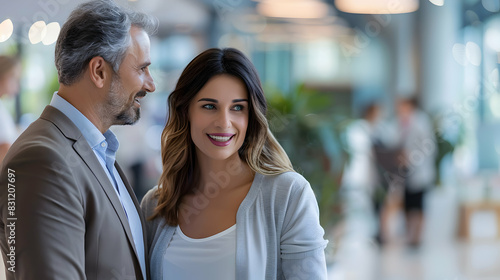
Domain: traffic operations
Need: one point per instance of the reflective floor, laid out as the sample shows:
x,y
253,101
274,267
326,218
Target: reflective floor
x,y
441,256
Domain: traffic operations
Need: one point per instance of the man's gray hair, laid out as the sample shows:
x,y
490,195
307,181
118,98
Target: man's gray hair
x,y
96,28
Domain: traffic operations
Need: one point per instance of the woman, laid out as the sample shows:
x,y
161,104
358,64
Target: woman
x,y
10,73
228,205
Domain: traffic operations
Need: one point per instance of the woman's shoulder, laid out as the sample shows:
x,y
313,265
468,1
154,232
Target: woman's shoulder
x,y
284,182
291,177
149,201
283,194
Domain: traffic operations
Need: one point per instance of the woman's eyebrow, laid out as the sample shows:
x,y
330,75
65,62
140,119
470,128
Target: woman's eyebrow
x,y
209,100
216,101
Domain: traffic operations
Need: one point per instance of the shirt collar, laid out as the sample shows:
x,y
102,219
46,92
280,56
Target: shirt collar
x,y
93,136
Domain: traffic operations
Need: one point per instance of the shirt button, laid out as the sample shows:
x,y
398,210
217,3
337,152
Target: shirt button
x,y
103,144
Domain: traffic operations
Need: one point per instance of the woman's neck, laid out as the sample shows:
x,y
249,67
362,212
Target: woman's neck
x,y
224,174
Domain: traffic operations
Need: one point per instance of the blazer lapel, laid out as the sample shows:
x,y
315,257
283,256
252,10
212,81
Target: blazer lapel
x,y
87,154
141,215
94,165
83,149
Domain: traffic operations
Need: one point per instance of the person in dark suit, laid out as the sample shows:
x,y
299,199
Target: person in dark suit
x,y
67,210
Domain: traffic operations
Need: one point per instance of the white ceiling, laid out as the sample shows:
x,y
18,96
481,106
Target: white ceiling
x,y
190,13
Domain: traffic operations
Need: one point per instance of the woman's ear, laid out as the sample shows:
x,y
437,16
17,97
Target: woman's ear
x,y
99,71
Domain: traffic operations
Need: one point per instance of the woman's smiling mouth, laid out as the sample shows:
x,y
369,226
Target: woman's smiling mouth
x,y
220,139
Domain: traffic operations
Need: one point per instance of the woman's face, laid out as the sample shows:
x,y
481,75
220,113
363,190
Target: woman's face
x,y
218,116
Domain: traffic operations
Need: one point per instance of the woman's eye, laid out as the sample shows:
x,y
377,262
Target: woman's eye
x,y
238,107
209,106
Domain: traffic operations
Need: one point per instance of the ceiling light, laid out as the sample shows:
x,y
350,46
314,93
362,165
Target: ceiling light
x,y
492,39
492,34
37,32
6,29
437,2
52,32
377,6
293,8
491,5
473,53
458,52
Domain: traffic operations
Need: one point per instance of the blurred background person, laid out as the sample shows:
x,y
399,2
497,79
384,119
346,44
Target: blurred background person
x,y
369,173
10,73
417,163
361,180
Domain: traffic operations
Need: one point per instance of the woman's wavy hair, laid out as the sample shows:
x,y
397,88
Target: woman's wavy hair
x,y
260,150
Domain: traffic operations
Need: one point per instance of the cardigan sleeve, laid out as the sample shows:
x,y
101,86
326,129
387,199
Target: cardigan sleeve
x,y
302,244
148,204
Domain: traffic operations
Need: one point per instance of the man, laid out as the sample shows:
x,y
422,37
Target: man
x,y
67,210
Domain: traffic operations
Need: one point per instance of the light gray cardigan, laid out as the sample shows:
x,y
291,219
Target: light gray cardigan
x,y
278,235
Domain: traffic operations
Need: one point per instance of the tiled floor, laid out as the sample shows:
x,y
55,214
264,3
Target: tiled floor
x,y
442,256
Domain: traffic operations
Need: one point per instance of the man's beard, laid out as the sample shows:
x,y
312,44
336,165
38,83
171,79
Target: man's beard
x,y
126,117
121,114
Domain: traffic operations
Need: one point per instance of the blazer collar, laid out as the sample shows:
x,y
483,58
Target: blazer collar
x,y
65,125
81,146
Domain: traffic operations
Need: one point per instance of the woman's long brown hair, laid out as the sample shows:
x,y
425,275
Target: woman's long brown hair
x,y
260,150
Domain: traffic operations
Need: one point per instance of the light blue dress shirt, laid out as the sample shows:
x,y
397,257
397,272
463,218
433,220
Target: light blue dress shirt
x,y
105,147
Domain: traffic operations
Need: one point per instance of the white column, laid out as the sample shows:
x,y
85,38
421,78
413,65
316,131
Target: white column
x,y
440,75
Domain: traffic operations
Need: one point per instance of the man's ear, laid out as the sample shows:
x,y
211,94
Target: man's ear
x,y
99,71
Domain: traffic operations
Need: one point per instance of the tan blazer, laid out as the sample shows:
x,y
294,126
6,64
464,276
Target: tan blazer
x,y
68,221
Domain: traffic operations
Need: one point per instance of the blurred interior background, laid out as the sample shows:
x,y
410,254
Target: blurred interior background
x,y
322,64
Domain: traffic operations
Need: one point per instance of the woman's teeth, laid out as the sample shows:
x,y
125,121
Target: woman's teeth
x,y
220,138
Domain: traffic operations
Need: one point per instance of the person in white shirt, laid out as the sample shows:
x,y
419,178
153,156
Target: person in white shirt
x,y
10,73
418,141
229,204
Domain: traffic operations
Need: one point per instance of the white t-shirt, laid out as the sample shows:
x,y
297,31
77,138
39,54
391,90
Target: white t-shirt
x,y
208,258
278,233
8,132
